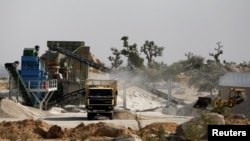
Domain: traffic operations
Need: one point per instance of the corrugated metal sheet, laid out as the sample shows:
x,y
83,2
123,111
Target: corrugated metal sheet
x,y
235,79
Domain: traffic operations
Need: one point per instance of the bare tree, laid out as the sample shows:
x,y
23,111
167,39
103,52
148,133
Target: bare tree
x,y
151,50
218,52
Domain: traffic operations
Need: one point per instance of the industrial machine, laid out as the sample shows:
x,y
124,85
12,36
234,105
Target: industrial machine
x,y
100,97
60,77
32,79
235,97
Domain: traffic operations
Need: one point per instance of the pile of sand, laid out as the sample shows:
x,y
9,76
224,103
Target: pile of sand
x,y
10,109
138,99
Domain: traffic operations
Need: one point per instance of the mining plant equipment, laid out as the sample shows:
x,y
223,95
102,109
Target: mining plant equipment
x,y
99,96
32,79
235,97
49,80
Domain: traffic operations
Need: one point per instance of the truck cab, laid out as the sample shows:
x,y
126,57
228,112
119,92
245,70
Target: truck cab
x,y
100,98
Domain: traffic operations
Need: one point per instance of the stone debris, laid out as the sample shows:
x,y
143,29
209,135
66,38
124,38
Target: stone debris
x,y
242,108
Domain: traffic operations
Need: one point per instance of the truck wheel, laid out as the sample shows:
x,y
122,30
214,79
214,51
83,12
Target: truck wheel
x,y
89,116
111,116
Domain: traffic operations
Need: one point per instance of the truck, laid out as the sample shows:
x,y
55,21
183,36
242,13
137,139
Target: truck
x,y
100,98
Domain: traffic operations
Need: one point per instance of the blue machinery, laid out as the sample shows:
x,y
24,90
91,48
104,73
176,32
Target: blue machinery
x,y
32,80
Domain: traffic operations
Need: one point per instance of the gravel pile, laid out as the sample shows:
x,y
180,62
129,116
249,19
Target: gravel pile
x,y
242,108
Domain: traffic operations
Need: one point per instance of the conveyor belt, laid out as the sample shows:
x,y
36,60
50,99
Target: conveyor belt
x,y
79,58
12,69
67,98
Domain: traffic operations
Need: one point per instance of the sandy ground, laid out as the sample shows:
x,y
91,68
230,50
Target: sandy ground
x,y
70,120
11,111
138,102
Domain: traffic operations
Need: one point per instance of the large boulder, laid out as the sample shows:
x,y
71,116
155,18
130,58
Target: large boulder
x,y
110,130
196,128
55,132
100,129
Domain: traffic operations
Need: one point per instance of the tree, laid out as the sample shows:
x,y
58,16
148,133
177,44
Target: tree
x,y
207,77
218,52
151,50
116,60
194,60
131,52
171,72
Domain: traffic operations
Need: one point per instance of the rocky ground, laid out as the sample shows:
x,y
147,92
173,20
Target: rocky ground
x,y
36,129
27,123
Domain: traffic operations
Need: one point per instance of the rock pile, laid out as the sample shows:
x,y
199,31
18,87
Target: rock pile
x,y
30,129
242,108
10,109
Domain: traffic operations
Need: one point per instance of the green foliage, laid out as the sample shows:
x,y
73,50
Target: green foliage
x,y
131,52
198,128
125,41
151,50
160,134
204,77
221,108
207,77
157,135
128,48
154,74
194,131
116,60
194,61
135,60
171,72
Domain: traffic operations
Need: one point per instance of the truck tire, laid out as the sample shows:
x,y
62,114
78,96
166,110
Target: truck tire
x,y
111,116
89,116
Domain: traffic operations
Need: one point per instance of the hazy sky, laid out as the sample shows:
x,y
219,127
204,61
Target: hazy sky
x,y
181,26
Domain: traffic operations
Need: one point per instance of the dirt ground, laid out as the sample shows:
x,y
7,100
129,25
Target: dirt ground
x,y
33,124
31,129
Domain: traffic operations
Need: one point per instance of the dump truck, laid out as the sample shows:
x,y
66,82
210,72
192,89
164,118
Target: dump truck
x,y
100,98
